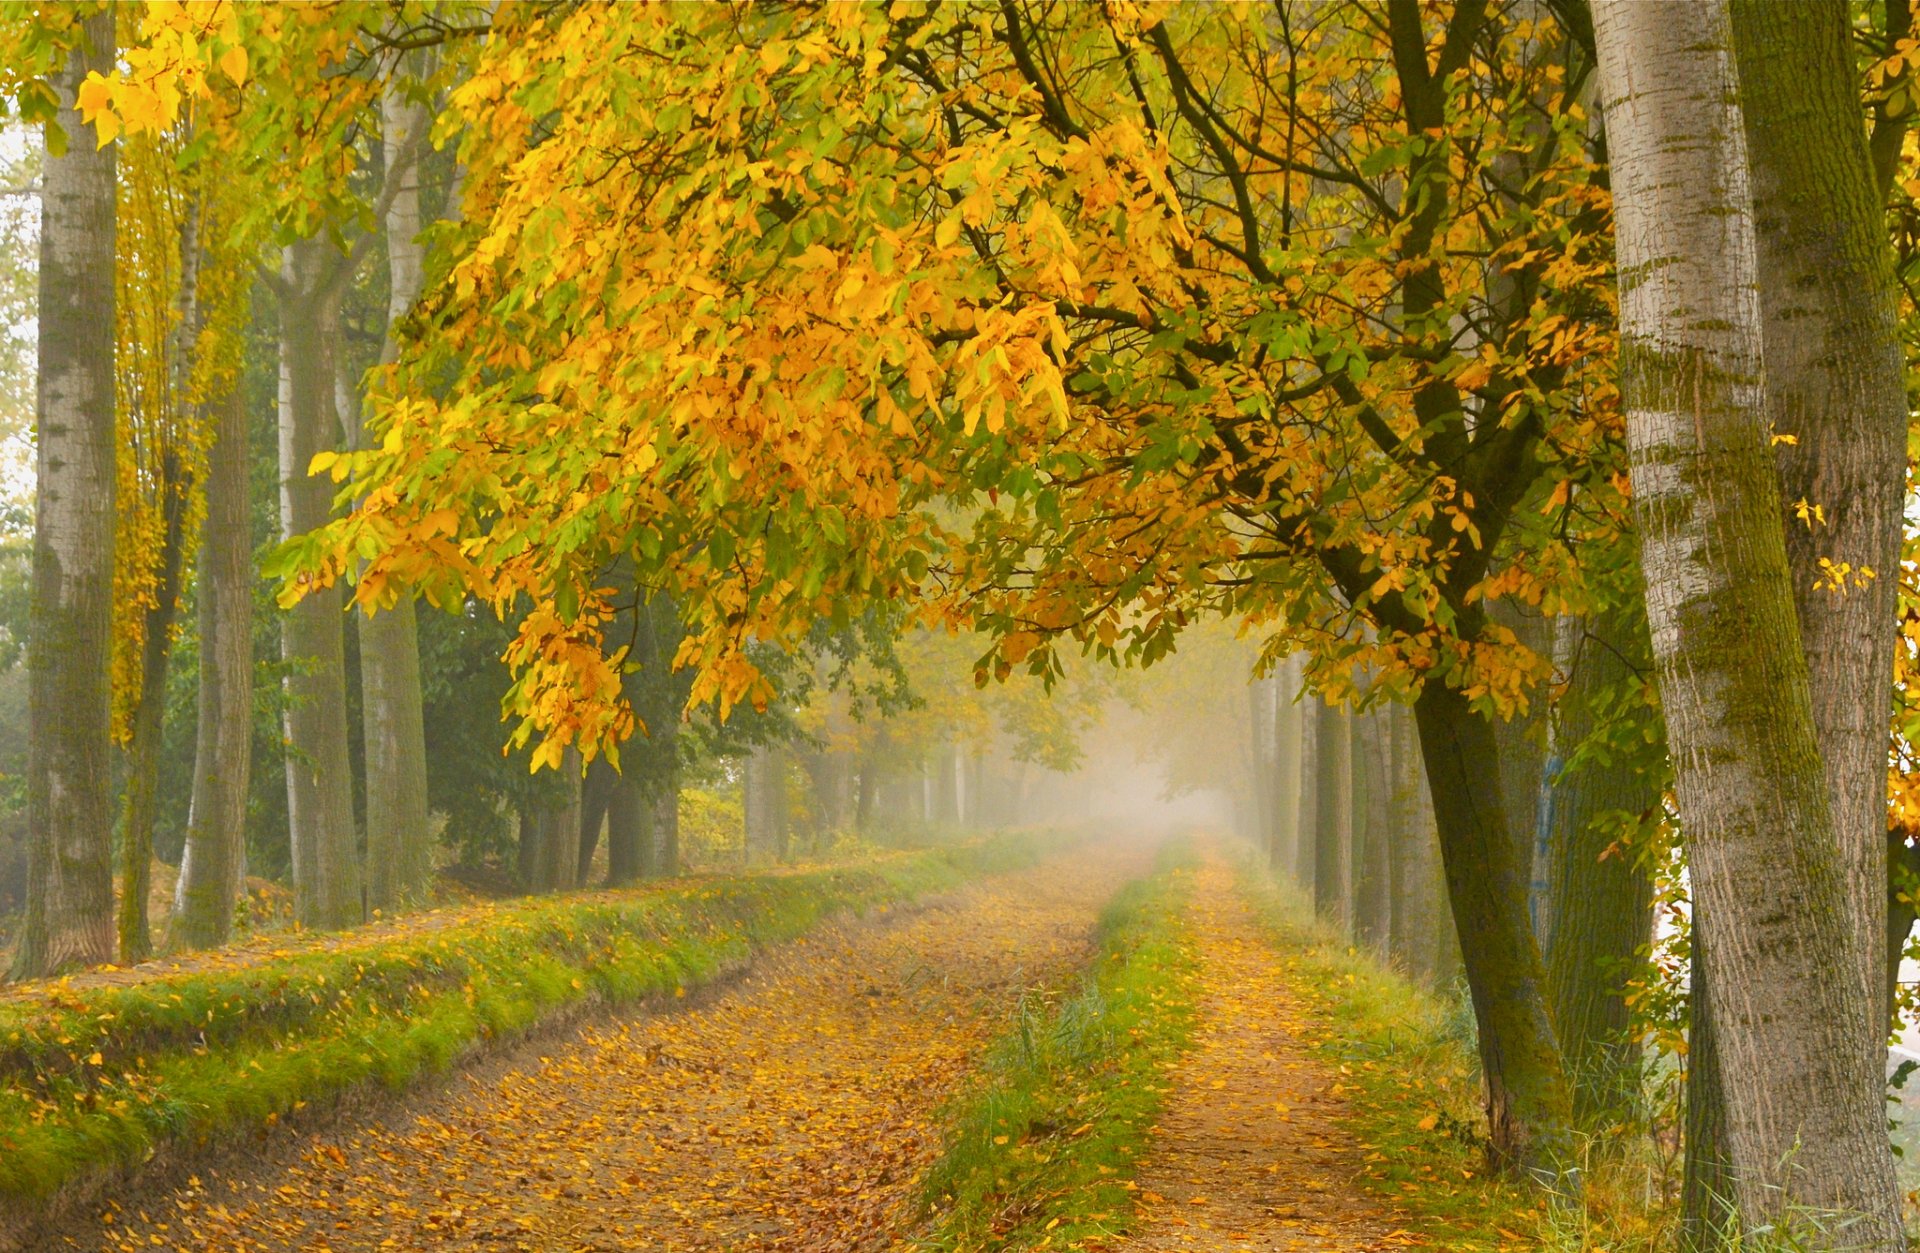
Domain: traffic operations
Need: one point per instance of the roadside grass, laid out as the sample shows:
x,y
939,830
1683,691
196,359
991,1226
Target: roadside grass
x,y
104,1076
1407,1072
1039,1150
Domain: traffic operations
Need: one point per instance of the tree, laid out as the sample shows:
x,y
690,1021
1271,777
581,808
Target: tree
x,y
69,913
399,841
1089,345
1770,892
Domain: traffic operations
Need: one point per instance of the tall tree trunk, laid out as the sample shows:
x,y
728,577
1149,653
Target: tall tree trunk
x,y
628,834
1284,771
1707,1220
1601,899
1373,872
1423,932
1789,1009
69,909
1261,760
1529,1107
140,803
666,816
1306,867
596,797
1333,824
215,852
1836,385
326,869
560,851
399,838
1523,756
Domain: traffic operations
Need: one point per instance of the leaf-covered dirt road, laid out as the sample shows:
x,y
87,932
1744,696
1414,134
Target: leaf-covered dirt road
x,y
1248,1154
791,1112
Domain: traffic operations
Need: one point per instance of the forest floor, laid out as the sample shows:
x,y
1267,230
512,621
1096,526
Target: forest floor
x,y
1249,1153
799,1108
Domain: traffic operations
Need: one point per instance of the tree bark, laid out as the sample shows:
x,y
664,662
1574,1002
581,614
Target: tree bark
x,y
1601,898
1284,771
1423,933
1529,1107
1306,868
1836,385
326,869
1523,758
1805,1132
215,852
1373,833
141,800
596,798
69,909
399,837
1333,823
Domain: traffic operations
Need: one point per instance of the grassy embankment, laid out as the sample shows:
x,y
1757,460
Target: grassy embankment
x,y
102,1077
1407,1072
1039,1148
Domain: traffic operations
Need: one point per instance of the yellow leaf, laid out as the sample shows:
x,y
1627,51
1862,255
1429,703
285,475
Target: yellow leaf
x,y
1429,1122
948,231
233,63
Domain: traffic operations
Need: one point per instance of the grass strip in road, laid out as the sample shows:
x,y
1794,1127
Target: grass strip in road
x,y
1038,1152
103,1077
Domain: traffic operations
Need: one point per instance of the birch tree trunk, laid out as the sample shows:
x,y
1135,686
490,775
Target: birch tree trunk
x,y
326,864
1835,385
69,909
215,851
1806,1139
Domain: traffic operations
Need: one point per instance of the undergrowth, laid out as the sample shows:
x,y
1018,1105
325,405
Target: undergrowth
x,y
1039,1150
1404,1057
103,1076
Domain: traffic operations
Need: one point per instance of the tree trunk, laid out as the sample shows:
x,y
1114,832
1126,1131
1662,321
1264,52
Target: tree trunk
x,y
326,871
1523,757
1261,757
1707,1221
1284,771
628,836
69,909
141,801
215,852
1528,1104
1333,824
1836,384
399,838
1306,867
1805,1131
1601,899
560,851
1373,874
596,797
1423,932
666,821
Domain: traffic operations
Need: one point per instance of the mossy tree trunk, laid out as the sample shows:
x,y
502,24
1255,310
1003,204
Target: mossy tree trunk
x,y
1529,1107
215,851
1788,1006
69,909
326,864
1601,894
399,837
1836,386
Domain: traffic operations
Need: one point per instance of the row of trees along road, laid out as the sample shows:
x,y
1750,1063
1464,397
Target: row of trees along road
x,y
1416,340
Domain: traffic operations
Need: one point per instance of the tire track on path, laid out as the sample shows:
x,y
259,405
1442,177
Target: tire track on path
x,y
791,1112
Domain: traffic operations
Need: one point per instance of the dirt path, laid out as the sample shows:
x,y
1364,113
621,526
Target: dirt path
x,y
1247,1154
792,1112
